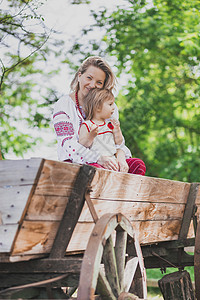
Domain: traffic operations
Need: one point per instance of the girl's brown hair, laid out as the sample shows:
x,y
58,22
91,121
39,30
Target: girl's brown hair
x,y
97,62
94,100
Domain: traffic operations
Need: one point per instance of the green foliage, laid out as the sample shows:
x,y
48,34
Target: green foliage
x,y
25,92
157,47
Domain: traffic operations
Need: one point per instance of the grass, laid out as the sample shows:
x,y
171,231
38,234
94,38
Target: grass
x,y
156,274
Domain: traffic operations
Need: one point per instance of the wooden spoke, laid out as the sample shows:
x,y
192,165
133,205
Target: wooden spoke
x,y
108,269
129,273
120,253
103,287
110,265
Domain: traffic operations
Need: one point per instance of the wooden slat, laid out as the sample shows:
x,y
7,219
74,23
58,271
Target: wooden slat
x,y
7,234
148,232
57,178
13,201
17,181
135,211
19,172
35,237
122,186
198,196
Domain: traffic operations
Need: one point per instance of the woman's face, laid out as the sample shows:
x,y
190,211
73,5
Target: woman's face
x,y
92,78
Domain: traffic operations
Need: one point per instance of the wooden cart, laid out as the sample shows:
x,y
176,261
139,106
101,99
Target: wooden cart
x,y
67,225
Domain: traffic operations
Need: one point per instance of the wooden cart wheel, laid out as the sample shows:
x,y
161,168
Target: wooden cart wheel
x,y
197,262
107,268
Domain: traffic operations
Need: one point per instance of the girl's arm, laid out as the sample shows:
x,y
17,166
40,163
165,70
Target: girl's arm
x,y
117,133
87,135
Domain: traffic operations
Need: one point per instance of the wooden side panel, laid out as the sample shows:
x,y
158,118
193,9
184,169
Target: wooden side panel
x,y
126,187
18,172
135,211
57,178
17,182
154,206
13,201
198,196
7,235
148,232
46,208
35,237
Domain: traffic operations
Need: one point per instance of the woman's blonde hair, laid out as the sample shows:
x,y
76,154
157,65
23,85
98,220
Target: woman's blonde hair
x,y
94,100
97,62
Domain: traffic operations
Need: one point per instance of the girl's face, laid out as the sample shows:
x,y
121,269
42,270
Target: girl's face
x,y
92,78
107,109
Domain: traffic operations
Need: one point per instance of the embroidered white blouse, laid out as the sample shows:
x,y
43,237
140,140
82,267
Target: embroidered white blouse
x,y
67,120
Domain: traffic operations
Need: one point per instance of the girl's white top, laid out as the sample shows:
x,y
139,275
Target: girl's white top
x,y
104,141
67,120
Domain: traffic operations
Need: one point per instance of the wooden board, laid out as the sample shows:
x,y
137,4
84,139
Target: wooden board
x,y
17,183
148,232
19,172
126,187
41,221
154,206
36,193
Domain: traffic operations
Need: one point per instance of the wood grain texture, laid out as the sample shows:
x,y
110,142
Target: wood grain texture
x,y
45,210
57,178
46,207
126,187
35,192
35,237
147,232
19,172
13,201
7,235
135,211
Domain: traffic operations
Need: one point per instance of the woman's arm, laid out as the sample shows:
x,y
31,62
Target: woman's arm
x,y
66,124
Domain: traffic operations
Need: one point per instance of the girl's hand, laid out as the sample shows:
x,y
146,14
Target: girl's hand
x,y
121,159
115,123
94,130
108,162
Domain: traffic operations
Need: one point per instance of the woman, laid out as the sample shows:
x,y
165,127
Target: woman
x,y
68,116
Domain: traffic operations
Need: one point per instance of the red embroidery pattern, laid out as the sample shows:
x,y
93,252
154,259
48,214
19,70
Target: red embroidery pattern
x,y
66,139
61,113
64,128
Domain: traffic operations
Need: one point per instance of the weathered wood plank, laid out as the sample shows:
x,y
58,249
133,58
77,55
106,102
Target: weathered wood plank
x,y
35,237
198,196
46,208
137,188
72,211
13,201
135,211
148,232
57,178
7,234
19,172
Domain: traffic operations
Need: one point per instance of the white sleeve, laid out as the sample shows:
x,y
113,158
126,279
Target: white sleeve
x,y
66,128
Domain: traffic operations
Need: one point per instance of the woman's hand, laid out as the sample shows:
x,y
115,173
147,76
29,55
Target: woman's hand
x,y
121,159
108,162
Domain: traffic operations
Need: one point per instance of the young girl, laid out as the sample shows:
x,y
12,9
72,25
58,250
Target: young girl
x,y
100,132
